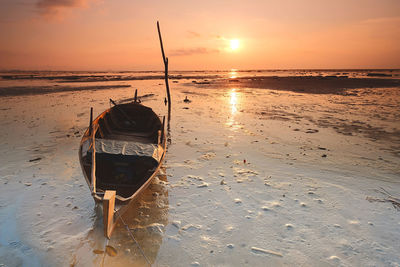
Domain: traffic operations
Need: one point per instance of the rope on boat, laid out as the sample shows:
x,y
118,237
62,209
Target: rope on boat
x,y
133,238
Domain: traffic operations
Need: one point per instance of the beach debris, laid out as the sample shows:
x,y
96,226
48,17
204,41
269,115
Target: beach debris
x,y
35,159
190,226
388,198
238,200
244,161
204,184
312,131
28,184
186,100
246,172
177,224
222,182
195,263
323,156
111,251
230,246
354,222
194,177
208,156
155,228
98,251
266,251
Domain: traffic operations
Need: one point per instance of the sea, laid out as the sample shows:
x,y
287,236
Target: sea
x,y
20,82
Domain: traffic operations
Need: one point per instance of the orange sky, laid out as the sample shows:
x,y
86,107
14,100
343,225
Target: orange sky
x,y
122,34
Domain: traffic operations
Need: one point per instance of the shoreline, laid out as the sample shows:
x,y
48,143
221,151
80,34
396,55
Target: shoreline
x,y
302,84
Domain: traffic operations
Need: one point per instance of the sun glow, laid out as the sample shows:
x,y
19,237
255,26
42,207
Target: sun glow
x,y
234,44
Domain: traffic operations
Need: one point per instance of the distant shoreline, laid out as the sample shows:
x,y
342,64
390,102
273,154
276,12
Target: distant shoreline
x,y
302,81
303,84
204,70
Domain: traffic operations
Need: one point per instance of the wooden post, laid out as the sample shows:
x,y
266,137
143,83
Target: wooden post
x,y
135,99
91,121
93,186
108,212
165,59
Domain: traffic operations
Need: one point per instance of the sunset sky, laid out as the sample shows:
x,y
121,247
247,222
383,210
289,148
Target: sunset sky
x,y
207,34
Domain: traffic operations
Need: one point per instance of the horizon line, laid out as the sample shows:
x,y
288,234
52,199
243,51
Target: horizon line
x,y
210,70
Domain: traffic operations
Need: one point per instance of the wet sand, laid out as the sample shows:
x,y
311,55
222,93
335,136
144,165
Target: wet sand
x,y
252,177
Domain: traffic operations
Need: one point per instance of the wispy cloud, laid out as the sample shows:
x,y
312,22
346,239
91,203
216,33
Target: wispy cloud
x,y
193,34
55,8
193,51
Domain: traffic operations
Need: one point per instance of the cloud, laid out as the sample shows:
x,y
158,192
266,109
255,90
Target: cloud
x,y
55,8
192,34
193,51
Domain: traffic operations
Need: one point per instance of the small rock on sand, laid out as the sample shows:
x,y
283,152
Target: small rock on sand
x,y
112,252
289,226
238,200
230,246
28,184
98,251
335,259
177,224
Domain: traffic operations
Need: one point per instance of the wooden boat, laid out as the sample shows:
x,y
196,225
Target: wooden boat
x,y
120,154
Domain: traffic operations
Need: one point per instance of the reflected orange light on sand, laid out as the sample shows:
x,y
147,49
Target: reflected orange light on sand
x,y
234,101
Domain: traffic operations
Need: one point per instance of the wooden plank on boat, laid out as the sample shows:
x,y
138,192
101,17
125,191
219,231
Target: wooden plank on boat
x,y
108,212
93,187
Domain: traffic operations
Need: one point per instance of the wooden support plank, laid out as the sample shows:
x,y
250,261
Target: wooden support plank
x,y
93,186
108,212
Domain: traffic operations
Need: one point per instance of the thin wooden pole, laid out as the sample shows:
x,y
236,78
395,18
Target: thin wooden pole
x,y
93,163
91,121
165,60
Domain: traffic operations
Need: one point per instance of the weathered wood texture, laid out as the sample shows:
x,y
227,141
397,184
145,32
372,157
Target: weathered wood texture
x,y
108,212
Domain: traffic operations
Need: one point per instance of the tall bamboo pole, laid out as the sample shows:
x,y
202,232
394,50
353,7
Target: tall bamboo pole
x,y
165,59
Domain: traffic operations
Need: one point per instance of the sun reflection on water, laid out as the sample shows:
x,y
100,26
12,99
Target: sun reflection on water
x,y
233,74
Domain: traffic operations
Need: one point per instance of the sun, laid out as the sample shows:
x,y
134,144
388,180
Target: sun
x,y
234,44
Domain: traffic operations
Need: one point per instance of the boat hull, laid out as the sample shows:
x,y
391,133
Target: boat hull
x,y
129,146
